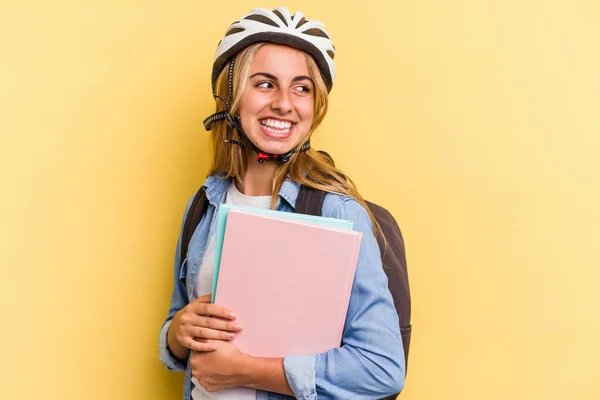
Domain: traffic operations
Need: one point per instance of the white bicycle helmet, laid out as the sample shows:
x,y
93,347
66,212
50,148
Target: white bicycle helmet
x,y
279,27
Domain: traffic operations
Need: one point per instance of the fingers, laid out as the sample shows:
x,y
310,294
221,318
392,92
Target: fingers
x,y
204,321
215,324
204,299
194,327
193,320
196,345
205,333
203,307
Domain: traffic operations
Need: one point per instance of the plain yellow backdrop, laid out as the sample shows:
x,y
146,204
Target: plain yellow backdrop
x,y
475,122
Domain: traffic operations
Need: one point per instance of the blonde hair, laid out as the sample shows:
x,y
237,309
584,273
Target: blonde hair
x,y
309,168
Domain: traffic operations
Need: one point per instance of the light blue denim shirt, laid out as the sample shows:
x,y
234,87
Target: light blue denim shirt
x,y
370,362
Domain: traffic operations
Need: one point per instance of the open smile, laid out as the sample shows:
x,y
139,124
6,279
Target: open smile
x,y
277,128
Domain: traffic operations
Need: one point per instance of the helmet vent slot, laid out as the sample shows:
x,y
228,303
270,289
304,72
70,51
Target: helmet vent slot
x,y
276,12
234,30
261,18
316,32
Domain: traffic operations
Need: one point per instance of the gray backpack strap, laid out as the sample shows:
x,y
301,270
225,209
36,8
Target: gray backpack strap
x,y
310,201
393,260
193,218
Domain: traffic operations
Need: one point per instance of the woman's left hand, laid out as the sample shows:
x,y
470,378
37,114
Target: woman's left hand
x,y
219,369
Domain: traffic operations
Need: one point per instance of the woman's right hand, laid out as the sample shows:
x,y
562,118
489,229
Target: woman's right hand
x,y
202,320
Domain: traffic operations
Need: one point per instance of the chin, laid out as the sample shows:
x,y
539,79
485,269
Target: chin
x,y
276,148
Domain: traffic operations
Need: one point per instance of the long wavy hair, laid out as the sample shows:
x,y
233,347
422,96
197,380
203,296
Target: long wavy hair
x,y
310,168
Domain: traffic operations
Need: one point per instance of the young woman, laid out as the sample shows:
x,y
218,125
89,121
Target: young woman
x,y
271,77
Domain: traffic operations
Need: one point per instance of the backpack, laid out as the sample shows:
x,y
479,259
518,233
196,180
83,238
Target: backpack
x,y
393,257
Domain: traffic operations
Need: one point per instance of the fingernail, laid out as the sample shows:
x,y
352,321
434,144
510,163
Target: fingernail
x,y
212,347
238,326
230,336
232,315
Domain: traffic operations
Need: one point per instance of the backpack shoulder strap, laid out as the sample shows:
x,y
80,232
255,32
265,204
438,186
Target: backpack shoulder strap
x,y
310,201
393,259
193,218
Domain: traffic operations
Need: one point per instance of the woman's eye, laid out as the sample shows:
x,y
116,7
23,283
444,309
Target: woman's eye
x,y
303,89
264,85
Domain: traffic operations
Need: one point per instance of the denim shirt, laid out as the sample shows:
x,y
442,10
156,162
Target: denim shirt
x,y
369,364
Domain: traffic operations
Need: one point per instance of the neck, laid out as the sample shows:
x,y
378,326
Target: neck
x,y
258,180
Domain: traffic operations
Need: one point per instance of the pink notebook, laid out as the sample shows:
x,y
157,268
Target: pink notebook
x,y
288,282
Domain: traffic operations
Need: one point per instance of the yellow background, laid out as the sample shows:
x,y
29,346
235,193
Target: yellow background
x,y
475,122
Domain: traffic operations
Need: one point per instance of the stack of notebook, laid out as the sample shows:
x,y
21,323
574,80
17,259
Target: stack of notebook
x,y
287,276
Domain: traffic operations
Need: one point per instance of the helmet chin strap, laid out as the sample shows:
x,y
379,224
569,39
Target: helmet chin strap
x,y
234,122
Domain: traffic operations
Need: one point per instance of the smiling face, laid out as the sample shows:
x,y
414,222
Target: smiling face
x,y
278,107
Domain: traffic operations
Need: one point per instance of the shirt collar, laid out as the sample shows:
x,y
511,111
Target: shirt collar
x,y
216,186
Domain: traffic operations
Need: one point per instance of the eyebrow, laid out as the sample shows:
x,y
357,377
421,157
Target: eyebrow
x,y
274,78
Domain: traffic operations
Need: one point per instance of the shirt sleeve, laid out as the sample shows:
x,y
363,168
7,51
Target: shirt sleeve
x,y
300,374
179,299
370,363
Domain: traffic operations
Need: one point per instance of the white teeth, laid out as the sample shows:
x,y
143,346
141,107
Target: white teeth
x,y
272,123
276,130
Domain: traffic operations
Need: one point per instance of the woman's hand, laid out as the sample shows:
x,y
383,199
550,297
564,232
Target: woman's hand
x,y
202,320
219,369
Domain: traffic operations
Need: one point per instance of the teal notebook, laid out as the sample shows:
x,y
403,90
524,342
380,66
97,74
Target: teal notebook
x,y
222,222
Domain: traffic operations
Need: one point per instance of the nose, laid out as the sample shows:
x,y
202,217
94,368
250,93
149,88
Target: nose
x,y
282,102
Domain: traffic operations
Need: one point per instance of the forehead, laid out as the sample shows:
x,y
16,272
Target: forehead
x,y
280,61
